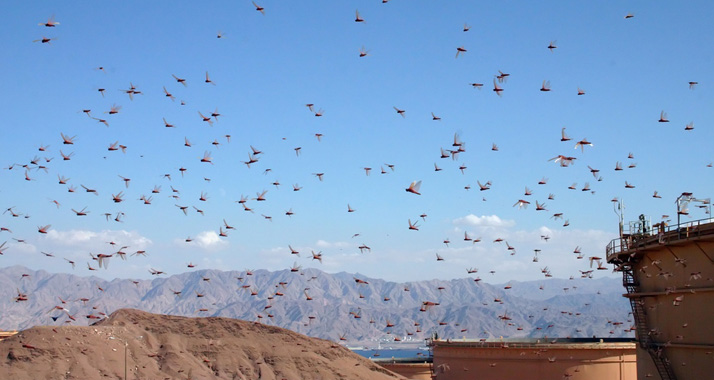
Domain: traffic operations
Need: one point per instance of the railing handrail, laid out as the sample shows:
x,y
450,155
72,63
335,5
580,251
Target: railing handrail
x,y
620,244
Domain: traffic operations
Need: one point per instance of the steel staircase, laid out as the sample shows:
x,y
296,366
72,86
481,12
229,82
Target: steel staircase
x,y
430,344
644,333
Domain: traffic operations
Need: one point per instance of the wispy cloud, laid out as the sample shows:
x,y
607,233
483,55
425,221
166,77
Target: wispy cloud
x,y
484,221
71,237
23,247
87,240
327,244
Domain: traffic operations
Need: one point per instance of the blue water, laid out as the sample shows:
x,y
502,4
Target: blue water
x,y
393,353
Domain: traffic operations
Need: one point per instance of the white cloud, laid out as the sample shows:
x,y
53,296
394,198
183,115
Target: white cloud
x,y
23,247
545,231
90,239
205,240
556,253
76,243
71,237
326,244
484,221
209,240
276,250
212,263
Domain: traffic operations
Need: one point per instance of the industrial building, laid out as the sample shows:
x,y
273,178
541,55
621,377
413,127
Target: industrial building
x,y
668,273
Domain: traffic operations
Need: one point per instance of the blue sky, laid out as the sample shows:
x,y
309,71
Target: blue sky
x,y
266,68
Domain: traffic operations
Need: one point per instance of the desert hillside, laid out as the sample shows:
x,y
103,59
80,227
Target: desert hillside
x,y
172,347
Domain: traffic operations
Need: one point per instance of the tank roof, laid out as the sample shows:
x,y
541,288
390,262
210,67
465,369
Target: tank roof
x,y
567,343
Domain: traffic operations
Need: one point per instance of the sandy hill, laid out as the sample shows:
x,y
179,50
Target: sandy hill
x,y
173,347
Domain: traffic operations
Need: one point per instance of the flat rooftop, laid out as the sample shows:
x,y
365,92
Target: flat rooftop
x,y
6,334
564,343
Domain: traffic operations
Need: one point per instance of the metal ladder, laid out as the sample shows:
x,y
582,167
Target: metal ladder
x,y
430,344
644,336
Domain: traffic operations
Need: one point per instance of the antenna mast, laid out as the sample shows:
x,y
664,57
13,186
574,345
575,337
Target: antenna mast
x,y
619,208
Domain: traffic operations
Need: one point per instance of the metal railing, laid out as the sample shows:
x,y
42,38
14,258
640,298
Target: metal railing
x,y
660,233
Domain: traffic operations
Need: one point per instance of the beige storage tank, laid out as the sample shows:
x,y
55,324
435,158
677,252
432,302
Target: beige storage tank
x,y
534,359
668,273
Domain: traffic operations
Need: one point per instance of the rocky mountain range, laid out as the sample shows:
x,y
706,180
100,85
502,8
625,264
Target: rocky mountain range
x,y
340,307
